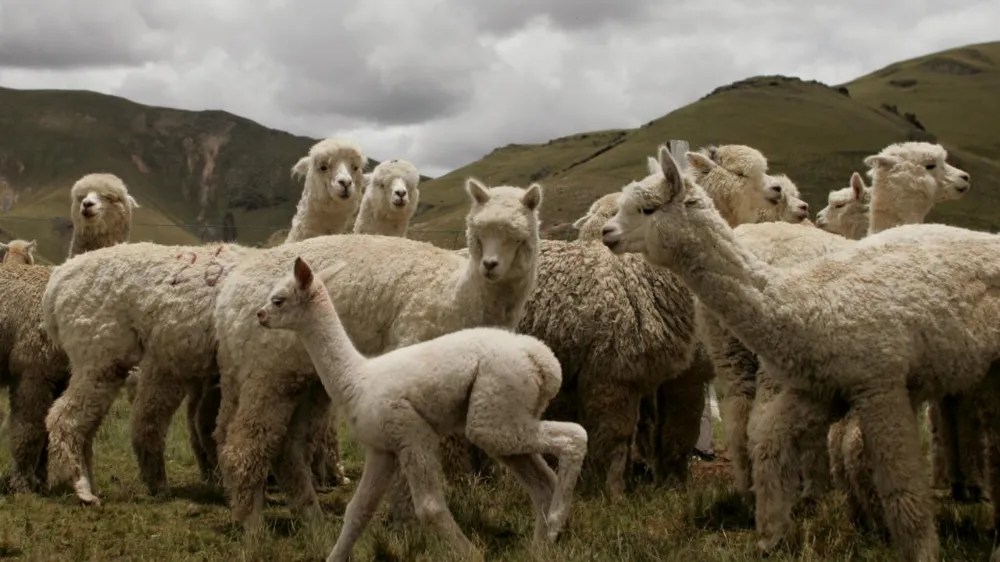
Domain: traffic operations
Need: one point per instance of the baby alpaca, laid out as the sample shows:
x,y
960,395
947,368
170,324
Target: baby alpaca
x,y
333,171
846,211
390,199
491,384
19,252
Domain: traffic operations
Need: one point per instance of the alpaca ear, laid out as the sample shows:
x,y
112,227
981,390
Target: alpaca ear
x,y
857,185
30,246
700,162
132,203
578,223
881,161
327,274
653,166
301,167
303,274
477,191
532,198
673,181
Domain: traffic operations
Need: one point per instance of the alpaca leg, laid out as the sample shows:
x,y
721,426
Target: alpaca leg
x,y
776,434
681,405
610,414
969,445
540,481
835,441
73,420
30,399
156,399
327,469
379,469
205,419
643,451
419,464
990,412
892,448
815,463
291,468
862,497
252,439
198,446
943,443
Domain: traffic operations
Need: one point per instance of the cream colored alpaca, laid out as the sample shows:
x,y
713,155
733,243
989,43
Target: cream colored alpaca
x,y
928,294
333,171
846,211
18,252
391,196
490,384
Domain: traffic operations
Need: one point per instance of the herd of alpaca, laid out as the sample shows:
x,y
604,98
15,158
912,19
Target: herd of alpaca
x,y
590,354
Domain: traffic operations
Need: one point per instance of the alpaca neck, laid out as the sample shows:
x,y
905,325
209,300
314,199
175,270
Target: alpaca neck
x,y
89,239
502,302
317,216
333,354
730,206
389,222
732,283
907,206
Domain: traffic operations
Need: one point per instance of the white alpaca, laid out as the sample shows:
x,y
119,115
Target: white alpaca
x,y
846,211
790,207
490,384
18,252
928,295
334,172
391,196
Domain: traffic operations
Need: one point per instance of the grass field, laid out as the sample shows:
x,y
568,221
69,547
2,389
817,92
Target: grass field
x,y
703,522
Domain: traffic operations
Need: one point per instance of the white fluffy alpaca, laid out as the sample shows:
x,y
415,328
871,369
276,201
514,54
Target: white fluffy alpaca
x,y
21,252
846,211
391,196
490,384
928,294
334,172
790,207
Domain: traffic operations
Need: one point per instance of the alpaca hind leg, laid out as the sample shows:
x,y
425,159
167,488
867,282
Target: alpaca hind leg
x,y
327,469
380,467
681,405
291,468
156,399
205,419
776,434
540,481
892,447
835,441
72,423
30,399
969,442
610,416
195,395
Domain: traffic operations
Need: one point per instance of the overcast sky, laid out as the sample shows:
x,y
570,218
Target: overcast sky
x,y
442,82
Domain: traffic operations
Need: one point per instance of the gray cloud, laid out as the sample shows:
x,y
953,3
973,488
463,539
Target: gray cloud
x,y
443,82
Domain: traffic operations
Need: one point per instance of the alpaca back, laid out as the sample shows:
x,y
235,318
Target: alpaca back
x,y
21,333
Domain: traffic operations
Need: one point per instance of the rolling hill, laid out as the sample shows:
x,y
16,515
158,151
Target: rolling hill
x,y
196,168
188,168
817,134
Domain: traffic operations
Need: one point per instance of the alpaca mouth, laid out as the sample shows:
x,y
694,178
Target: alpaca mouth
x,y
962,188
398,203
615,246
88,213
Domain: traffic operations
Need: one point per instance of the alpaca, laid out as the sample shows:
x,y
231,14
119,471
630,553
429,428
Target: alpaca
x,y
33,367
846,211
488,383
333,172
390,199
790,207
18,252
396,292
909,191
928,294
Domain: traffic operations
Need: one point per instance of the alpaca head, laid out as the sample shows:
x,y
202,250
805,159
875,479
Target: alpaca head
x,y
917,169
790,207
664,215
18,252
99,204
294,296
333,171
600,211
735,176
846,211
502,228
394,186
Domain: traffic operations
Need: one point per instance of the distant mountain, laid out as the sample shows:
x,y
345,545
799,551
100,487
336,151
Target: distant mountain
x,y
817,134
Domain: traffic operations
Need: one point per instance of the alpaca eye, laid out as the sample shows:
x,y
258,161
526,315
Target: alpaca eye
x,y
777,188
323,168
277,301
648,210
931,166
838,205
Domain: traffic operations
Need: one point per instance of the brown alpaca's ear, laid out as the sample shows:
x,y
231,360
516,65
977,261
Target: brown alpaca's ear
x,y
303,274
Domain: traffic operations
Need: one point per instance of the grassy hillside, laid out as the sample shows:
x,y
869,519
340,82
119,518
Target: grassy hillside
x,y
184,167
815,133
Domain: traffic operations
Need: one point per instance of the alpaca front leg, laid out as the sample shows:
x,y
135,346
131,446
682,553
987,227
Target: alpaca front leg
x,y
293,472
72,422
610,415
380,467
540,481
205,419
681,405
201,444
777,433
970,448
892,447
30,400
156,399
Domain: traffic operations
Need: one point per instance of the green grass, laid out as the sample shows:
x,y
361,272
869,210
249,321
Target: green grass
x,y
702,522
812,132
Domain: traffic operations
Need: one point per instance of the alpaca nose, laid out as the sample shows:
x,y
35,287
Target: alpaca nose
x,y
964,177
87,203
490,263
345,182
804,207
260,314
607,230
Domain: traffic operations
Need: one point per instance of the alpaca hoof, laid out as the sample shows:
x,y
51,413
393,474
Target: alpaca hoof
x,y
89,499
765,547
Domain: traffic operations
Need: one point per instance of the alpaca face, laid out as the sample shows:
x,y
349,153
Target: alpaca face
x,y
922,170
502,228
659,203
396,186
789,206
736,173
97,197
846,211
18,252
288,299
